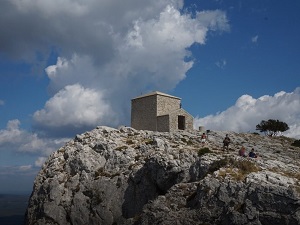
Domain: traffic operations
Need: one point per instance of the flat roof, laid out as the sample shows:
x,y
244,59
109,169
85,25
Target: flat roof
x,y
156,93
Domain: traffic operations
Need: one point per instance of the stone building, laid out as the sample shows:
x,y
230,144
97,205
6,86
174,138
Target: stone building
x,y
158,111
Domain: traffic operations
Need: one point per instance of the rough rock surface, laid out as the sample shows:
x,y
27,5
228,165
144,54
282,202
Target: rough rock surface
x,y
125,176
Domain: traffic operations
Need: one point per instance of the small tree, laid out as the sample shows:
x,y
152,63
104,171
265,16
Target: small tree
x,y
272,127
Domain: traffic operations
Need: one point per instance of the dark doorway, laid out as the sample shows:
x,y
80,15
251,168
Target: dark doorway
x,y
181,122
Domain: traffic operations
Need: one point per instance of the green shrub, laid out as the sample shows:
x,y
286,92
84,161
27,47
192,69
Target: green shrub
x,y
129,141
245,166
121,148
190,142
296,143
216,165
101,172
203,151
149,141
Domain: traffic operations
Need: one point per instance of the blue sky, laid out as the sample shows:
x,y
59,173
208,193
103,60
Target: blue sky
x,y
69,66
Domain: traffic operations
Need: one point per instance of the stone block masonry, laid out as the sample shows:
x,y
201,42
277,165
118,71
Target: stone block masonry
x,y
158,111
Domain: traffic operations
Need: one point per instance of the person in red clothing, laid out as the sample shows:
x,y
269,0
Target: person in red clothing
x,y
242,152
203,138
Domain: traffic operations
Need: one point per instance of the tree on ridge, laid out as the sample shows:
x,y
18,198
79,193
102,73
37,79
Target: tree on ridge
x,y
272,127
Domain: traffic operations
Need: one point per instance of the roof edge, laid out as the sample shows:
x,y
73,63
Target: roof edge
x,y
156,93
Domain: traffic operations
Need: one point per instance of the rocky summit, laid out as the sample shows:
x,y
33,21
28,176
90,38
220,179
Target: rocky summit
x,y
128,176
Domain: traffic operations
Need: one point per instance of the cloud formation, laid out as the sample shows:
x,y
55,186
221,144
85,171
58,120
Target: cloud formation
x,y
74,107
40,161
19,140
248,112
104,60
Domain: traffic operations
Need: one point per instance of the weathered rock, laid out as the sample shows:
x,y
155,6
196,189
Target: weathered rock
x,y
125,176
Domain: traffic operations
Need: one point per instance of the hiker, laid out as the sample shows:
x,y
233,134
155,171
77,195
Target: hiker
x,y
242,152
203,138
252,154
226,142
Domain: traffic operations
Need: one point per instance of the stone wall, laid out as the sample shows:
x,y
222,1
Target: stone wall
x,y
153,112
143,113
163,123
167,104
174,120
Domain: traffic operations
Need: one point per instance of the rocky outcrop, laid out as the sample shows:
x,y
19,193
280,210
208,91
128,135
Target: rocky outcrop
x,y
126,176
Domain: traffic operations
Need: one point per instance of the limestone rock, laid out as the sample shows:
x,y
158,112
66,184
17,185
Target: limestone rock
x,y
126,176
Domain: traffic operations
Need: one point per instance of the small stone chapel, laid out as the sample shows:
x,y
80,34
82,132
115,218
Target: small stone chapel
x,y
157,111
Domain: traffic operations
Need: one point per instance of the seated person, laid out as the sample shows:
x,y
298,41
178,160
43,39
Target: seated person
x,y
242,152
252,154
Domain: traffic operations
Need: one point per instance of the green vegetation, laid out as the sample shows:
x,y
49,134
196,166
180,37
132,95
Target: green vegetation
x,y
203,151
272,127
183,139
102,173
129,141
216,165
149,141
237,169
296,143
121,148
187,141
245,167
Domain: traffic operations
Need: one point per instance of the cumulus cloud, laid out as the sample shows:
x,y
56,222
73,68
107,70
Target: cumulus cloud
x,y
74,107
72,25
248,112
19,140
103,60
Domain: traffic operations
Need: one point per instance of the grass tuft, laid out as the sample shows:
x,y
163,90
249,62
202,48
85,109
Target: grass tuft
x,y
203,151
237,169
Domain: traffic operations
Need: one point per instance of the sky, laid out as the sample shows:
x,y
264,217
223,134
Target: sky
x,y
68,66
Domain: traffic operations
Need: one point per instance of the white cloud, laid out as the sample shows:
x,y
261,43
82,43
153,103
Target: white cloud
x,y
74,107
248,112
23,170
19,140
214,20
12,132
94,85
254,39
104,60
84,27
40,161
25,167
2,102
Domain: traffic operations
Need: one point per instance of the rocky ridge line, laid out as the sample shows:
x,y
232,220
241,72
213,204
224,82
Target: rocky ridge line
x,y
126,176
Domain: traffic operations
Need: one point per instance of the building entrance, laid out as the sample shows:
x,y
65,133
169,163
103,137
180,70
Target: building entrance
x,y
181,122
